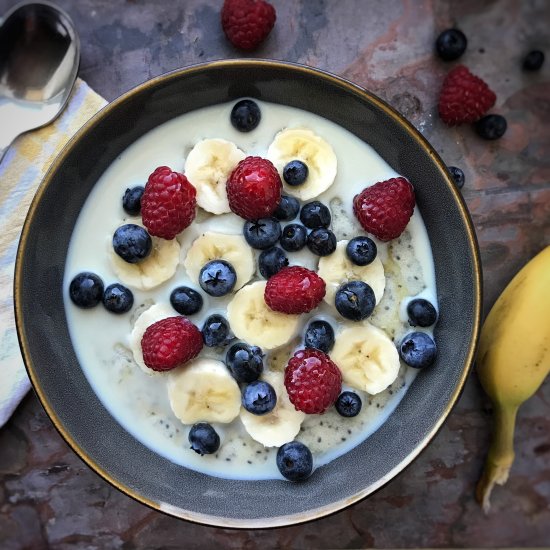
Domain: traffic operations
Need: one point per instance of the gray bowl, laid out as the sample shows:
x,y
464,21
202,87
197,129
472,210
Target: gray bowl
x,y
70,401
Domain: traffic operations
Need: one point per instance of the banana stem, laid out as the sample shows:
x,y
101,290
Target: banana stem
x,y
501,453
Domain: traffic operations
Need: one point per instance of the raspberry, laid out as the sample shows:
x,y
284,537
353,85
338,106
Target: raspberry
x,y
170,342
313,382
464,97
168,203
254,188
247,23
385,208
294,290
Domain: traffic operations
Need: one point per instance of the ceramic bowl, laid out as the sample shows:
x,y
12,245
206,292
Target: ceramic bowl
x,y
65,392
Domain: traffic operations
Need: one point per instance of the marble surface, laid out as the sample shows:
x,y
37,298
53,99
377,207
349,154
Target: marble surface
x,y
50,499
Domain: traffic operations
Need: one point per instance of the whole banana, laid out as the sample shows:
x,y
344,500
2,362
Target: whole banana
x,y
513,360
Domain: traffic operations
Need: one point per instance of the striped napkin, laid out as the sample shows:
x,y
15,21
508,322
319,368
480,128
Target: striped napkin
x,y
21,172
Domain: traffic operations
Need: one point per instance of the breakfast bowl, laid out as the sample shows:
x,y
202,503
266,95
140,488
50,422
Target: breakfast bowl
x,y
47,337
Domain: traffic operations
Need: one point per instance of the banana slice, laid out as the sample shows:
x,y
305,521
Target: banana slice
x,y
151,315
208,166
337,269
279,426
157,268
203,390
367,358
303,144
252,321
219,246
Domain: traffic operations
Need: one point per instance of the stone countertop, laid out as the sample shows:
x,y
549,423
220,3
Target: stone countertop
x,y
50,499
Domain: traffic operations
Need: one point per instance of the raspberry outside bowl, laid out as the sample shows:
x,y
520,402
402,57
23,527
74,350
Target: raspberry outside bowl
x,y
68,397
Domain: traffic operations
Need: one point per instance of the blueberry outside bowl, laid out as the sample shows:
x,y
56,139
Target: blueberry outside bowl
x,y
66,394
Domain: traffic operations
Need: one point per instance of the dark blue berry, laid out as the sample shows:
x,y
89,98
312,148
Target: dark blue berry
x,y
185,300
321,241
491,127
451,44
271,262
131,201
217,278
355,300
288,208
132,243
421,313
348,404
361,250
319,335
458,176
215,331
245,363
315,214
204,439
533,60
118,298
259,398
418,350
295,461
86,290
263,233
295,172
245,115
293,237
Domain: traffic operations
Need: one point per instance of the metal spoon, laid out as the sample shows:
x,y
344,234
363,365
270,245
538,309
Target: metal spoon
x,y
39,59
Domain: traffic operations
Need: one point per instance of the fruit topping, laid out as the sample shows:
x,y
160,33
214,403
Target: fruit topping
x,y
217,278
259,398
245,363
262,233
118,299
533,61
321,241
320,335
491,127
215,331
295,461
295,172
132,243
457,175
385,208
315,214
361,251
348,404
451,44
418,350
204,439
86,290
185,300
245,115
271,262
355,300
288,208
421,313
131,201
293,237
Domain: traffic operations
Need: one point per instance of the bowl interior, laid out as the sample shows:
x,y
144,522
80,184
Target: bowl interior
x,y
69,399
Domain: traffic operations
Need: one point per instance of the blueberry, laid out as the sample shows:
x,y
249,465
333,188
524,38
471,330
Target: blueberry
x,y
86,290
245,363
458,176
295,461
361,250
118,298
132,243
418,350
315,214
131,201
288,208
215,331
451,44
533,60
321,241
295,172
185,300
263,233
421,313
204,439
348,404
217,278
245,115
491,127
293,237
355,300
271,262
320,335
259,398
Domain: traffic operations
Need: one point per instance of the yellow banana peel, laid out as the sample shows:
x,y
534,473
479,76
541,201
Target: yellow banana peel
x,y
513,360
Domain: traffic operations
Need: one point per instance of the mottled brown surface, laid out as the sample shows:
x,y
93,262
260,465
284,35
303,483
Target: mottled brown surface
x,y
50,499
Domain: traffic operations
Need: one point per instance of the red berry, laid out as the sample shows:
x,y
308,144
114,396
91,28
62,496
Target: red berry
x,y
385,208
254,188
170,342
464,97
247,23
313,382
168,203
294,289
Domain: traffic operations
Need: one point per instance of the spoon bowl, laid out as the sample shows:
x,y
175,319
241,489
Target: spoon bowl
x,y
38,68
